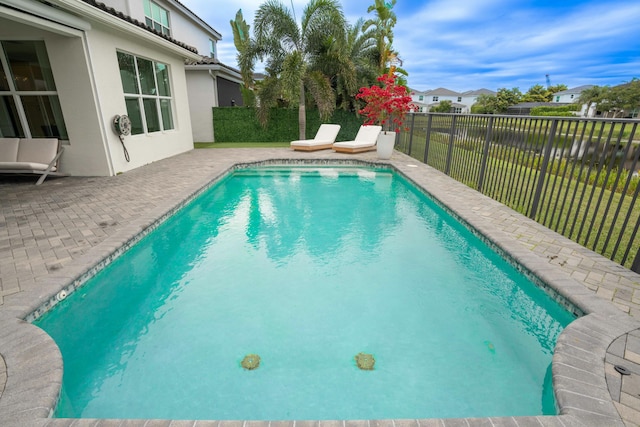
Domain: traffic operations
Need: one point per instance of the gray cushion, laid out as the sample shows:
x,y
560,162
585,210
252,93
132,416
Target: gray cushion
x,y
40,150
9,149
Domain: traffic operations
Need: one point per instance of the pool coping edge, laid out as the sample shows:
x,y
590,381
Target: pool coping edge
x,y
32,355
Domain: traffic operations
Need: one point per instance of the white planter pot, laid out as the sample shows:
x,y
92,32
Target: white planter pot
x,y
384,144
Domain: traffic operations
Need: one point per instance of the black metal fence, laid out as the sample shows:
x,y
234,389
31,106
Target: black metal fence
x,y
576,176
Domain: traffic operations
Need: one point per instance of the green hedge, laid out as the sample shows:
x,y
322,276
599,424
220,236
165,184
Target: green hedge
x,y
239,124
561,111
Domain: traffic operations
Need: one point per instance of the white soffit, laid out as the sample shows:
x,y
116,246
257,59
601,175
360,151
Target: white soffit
x,y
48,18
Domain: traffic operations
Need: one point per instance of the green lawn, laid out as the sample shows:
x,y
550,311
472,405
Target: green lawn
x,y
569,206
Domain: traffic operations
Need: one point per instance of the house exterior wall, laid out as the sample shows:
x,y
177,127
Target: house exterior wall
x,y
202,99
469,101
85,153
182,27
88,84
143,148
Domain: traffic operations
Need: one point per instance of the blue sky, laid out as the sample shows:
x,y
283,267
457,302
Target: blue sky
x,y
471,44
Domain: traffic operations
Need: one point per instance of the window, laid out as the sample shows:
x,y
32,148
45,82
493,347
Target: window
x,y
459,99
29,105
147,93
571,96
457,110
557,99
421,98
156,17
212,48
435,99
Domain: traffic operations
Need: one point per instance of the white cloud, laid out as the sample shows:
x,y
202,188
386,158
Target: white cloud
x,y
469,44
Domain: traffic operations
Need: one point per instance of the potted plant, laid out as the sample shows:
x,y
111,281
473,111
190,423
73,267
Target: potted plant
x,y
386,105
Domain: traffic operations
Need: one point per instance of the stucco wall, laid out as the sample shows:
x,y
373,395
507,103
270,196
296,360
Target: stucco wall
x,y
202,98
85,154
144,148
182,28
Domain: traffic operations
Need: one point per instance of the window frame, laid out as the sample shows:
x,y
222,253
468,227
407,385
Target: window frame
x,y
142,99
16,95
212,48
435,99
151,22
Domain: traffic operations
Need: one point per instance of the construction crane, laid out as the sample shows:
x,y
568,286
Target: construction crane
x,y
548,80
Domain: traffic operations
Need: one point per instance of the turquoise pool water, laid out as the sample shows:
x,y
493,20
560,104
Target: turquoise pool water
x,y
307,267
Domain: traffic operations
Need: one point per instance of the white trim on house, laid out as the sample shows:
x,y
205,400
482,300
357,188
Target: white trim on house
x,y
111,21
56,15
38,22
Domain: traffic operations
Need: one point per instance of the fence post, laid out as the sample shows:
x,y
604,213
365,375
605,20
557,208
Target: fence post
x,y
413,119
485,154
450,149
426,143
636,263
543,169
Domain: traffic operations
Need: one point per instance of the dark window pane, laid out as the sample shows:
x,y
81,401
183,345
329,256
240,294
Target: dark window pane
x,y
149,22
133,111
147,81
128,73
167,117
151,114
162,75
4,83
10,126
44,116
29,65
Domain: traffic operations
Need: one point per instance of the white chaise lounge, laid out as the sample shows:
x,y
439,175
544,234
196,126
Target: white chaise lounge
x,y
365,140
30,156
324,139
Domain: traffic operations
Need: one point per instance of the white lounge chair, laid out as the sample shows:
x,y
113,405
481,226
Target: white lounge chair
x,y
325,137
30,156
365,140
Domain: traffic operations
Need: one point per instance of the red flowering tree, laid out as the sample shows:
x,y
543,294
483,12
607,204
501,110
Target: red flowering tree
x,y
387,104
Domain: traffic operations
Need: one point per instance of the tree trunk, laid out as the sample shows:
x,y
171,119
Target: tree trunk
x,y
302,114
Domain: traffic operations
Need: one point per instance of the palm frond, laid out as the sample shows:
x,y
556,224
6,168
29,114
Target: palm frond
x,y
322,93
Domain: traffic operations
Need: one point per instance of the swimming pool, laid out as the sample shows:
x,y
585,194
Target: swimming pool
x,y
403,265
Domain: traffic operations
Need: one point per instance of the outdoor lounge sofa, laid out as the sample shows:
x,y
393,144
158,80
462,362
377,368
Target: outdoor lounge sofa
x,y
324,139
30,156
365,140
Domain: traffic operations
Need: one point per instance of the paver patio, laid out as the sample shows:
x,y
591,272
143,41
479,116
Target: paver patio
x,y
53,233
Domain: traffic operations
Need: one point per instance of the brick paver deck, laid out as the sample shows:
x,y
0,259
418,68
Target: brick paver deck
x,y
53,233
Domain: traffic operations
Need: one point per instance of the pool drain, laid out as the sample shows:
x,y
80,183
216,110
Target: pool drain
x,y
622,370
250,362
365,361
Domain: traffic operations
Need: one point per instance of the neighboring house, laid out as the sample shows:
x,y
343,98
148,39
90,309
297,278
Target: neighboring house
x,y
460,102
210,84
69,67
571,96
470,97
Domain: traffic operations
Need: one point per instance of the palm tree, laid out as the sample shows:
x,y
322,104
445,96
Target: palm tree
x,y
287,51
383,25
591,96
351,62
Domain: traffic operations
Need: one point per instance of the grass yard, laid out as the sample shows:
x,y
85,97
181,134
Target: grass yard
x,y
595,217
